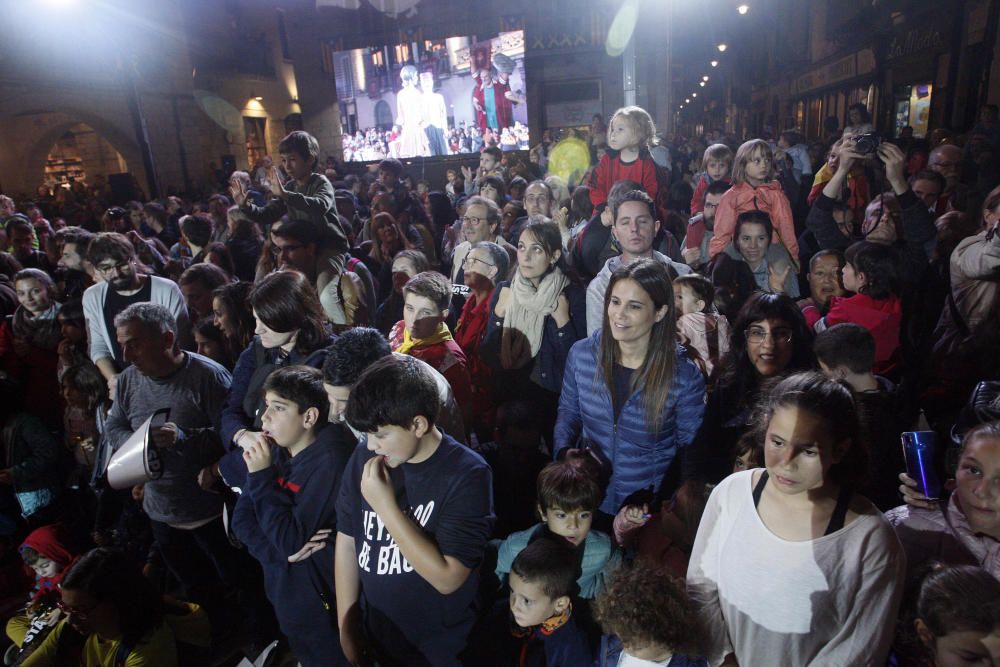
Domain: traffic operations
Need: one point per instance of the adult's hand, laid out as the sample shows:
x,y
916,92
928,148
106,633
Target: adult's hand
x,y
165,436
207,478
776,277
238,192
895,164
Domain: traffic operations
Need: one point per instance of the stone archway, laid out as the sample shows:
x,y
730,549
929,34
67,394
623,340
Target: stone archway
x,y
30,135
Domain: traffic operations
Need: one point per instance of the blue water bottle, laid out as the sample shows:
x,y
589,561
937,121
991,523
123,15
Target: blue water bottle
x,y
920,450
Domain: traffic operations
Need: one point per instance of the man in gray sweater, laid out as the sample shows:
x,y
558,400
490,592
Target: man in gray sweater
x,y
184,517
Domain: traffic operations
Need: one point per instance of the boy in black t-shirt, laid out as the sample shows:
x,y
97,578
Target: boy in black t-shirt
x,y
410,543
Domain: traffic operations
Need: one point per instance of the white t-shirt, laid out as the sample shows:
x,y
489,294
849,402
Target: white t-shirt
x,y
830,601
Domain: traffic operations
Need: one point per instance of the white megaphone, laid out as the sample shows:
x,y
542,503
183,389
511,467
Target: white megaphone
x,y
137,460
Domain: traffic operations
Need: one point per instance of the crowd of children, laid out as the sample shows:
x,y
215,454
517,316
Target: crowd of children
x,y
503,421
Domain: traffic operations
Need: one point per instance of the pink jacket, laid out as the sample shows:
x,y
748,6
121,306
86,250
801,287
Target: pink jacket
x,y
742,197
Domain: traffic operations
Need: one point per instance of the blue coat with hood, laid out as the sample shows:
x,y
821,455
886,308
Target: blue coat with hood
x,y
638,457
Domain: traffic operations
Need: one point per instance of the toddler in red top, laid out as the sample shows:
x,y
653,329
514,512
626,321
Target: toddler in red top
x,y
716,165
422,333
630,135
870,272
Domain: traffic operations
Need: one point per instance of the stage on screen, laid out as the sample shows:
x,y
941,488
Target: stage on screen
x,y
433,98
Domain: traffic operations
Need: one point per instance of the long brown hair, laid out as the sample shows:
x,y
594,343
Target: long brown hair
x,y
656,375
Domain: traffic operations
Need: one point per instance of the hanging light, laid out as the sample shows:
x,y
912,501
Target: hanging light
x,y
714,63
704,78
701,83
743,9
694,94
721,47
687,100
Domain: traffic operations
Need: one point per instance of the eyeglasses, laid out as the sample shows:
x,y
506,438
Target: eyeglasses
x,y
469,259
79,612
475,222
757,335
106,269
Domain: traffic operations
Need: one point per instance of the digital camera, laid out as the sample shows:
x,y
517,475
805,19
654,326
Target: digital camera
x,y
866,144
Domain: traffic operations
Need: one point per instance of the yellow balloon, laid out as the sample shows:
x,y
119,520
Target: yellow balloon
x,y
569,160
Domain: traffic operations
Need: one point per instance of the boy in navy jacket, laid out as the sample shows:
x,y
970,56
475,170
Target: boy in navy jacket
x,y
413,517
289,497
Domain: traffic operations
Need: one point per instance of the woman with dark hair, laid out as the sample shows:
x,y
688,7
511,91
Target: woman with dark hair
x,y
493,188
630,392
29,343
768,574
211,342
442,215
244,244
769,262
386,242
232,314
534,320
114,616
769,338
291,330
218,253
405,264
72,348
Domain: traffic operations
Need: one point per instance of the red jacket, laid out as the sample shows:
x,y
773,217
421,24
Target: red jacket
x,y
698,198
611,169
882,317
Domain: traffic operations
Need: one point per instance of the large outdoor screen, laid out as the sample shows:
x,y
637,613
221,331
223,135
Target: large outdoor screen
x,y
429,98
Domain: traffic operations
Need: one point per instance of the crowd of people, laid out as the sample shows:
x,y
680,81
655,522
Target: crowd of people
x,y
652,419
374,144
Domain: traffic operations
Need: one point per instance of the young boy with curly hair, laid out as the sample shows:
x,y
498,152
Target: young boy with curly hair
x,y
650,619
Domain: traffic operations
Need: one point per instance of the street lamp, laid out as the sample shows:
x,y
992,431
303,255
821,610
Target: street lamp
x,y
701,83
714,63
721,47
694,94
743,9
687,100
704,78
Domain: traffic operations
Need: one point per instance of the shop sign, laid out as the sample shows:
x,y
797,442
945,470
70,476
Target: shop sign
x,y
922,39
831,73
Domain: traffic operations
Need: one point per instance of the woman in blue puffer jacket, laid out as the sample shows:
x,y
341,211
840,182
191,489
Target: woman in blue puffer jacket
x,y
630,393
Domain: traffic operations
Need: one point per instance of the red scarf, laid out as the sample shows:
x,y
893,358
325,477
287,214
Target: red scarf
x,y
472,324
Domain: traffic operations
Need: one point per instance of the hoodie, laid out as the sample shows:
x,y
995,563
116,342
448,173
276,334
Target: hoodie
x,y
48,543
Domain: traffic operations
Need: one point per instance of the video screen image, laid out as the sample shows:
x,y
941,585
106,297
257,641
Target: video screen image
x,y
430,98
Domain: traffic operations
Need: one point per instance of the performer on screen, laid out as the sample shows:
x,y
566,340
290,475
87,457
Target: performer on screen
x,y
409,115
435,115
489,96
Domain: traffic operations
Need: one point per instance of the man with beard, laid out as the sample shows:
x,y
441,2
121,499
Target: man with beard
x,y
701,226
113,258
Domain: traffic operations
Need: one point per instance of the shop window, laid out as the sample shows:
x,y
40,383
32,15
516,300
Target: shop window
x,y
912,106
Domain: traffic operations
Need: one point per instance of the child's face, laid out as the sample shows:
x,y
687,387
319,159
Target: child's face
x,y
395,444
337,396
717,169
798,451
961,648
296,166
686,302
571,525
421,315
852,280
622,134
451,176
283,422
529,605
757,168
745,461
978,485
207,347
46,567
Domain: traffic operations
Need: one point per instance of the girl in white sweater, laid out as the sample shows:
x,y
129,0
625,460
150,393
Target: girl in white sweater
x,y
790,566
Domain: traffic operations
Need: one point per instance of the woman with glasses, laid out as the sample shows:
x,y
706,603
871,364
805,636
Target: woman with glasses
x,y
770,338
534,320
112,615
484,266
630,393
291,330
